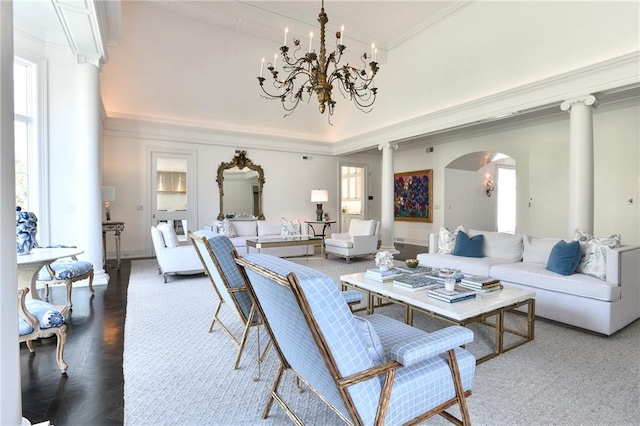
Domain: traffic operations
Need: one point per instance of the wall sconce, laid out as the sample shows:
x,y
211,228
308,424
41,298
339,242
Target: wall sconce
x,y
319,196
108,196
489,185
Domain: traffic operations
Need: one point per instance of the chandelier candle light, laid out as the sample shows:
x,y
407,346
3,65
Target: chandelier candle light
x,y
313,73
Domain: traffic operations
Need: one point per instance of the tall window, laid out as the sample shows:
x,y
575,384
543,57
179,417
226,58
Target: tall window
x,y
25,141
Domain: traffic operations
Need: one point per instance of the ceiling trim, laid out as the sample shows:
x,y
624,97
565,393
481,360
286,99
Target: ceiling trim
x,y
607,75
533,100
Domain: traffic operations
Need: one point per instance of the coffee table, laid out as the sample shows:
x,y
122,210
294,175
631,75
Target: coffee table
x,y
301,240
479,309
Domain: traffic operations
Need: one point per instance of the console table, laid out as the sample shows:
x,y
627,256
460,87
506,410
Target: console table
x,y
117,228
325,224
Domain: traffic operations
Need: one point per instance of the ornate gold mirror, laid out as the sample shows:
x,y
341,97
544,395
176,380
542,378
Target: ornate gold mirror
x,y
243,188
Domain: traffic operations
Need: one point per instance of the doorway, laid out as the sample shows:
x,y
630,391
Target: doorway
x,y
173,191
352,194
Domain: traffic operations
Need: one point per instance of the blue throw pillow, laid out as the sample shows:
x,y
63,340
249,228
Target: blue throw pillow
x,y
564,257
468,247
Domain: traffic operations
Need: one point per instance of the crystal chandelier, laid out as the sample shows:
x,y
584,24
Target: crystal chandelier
x,y
320,74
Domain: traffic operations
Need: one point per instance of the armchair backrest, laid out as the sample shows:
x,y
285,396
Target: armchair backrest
x,y
361,227
156,238
314,331
216,254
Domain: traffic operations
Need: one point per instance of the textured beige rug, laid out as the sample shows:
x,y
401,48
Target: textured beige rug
x,y
178,374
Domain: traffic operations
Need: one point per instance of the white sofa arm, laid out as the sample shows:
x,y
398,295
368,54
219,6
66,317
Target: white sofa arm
x,y
340,236
433,242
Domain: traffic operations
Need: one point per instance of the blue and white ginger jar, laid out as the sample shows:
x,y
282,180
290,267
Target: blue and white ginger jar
x,y
26,230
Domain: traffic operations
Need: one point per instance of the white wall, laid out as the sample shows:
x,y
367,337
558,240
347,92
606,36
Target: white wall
x,y
289,180
540,150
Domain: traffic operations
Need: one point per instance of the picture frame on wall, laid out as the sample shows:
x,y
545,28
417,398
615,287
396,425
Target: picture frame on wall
x,y
413,196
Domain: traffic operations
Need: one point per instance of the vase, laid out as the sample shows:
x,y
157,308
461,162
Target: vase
x,y
26,230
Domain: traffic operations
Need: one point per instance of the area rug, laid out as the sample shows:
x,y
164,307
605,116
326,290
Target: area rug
x,y
178,374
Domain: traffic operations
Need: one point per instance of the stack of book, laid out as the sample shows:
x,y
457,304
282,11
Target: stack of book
x,y
416,282
480,283
458,294
376,274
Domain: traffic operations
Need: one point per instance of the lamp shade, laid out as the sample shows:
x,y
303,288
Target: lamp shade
x,y
319,196
108,193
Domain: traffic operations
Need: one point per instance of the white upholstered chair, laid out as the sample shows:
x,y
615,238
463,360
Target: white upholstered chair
x,y
362,238
172,257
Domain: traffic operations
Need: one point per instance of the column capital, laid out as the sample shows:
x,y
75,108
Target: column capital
x,y
387,145
588,100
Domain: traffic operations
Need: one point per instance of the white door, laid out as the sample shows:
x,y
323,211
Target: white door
x,y
352,193
173,189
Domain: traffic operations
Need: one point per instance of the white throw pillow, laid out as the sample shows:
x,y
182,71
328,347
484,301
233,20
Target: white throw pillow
x,y
447,239
168,234
290,228
371,340
594,253
501,245
537,250
227,229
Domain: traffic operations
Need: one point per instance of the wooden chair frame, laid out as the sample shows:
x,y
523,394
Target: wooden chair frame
x,y
246,322
343,383
37,333
68,282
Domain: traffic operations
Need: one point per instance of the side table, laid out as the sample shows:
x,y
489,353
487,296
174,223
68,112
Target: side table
x,y
117,228
325,224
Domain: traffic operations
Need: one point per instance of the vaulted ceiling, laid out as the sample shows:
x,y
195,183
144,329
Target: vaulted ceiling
x,y
444,64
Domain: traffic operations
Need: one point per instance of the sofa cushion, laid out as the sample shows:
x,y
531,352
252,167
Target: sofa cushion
x,y
468,246
447,239
168,235
290,228
338,242
271,227
536,275
564,257
245,228
594,253
468,265
500,244
537,250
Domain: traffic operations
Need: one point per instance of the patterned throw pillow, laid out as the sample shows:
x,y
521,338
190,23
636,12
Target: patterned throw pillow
x,y
447,239
290,228
227,229
594,253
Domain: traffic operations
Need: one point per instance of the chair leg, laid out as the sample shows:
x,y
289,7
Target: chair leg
x,y
457,383
62,338
215,316
91,282
31,344
69,285
46,292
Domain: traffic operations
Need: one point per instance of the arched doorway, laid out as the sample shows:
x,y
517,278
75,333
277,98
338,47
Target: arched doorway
x,y
479,192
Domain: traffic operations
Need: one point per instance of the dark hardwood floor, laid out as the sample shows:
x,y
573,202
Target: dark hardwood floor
x,y
92,392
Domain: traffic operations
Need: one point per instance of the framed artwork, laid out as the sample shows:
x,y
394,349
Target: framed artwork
x,y
413,196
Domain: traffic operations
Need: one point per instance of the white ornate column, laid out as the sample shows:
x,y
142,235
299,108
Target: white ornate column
x,y
581,167
88,146
11,401
386,210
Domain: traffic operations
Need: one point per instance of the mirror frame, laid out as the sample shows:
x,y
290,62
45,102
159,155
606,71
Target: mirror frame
x,y
240,161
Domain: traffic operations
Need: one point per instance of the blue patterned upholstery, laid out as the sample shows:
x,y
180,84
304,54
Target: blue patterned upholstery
x,y
65,269
45,313
423,382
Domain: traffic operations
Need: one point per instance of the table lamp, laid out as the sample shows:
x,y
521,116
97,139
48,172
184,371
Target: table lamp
x,y
108,196
319,196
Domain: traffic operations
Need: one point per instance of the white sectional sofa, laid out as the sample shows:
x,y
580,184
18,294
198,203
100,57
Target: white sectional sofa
x,y
248,229
600,305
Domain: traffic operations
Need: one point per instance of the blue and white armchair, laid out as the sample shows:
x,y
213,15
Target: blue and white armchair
x,y
370,370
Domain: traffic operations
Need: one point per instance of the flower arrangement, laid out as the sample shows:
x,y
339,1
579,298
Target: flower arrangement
x,y
384,260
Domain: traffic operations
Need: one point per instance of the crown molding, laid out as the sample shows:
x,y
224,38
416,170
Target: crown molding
x,y
607,75
122,125
542,98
